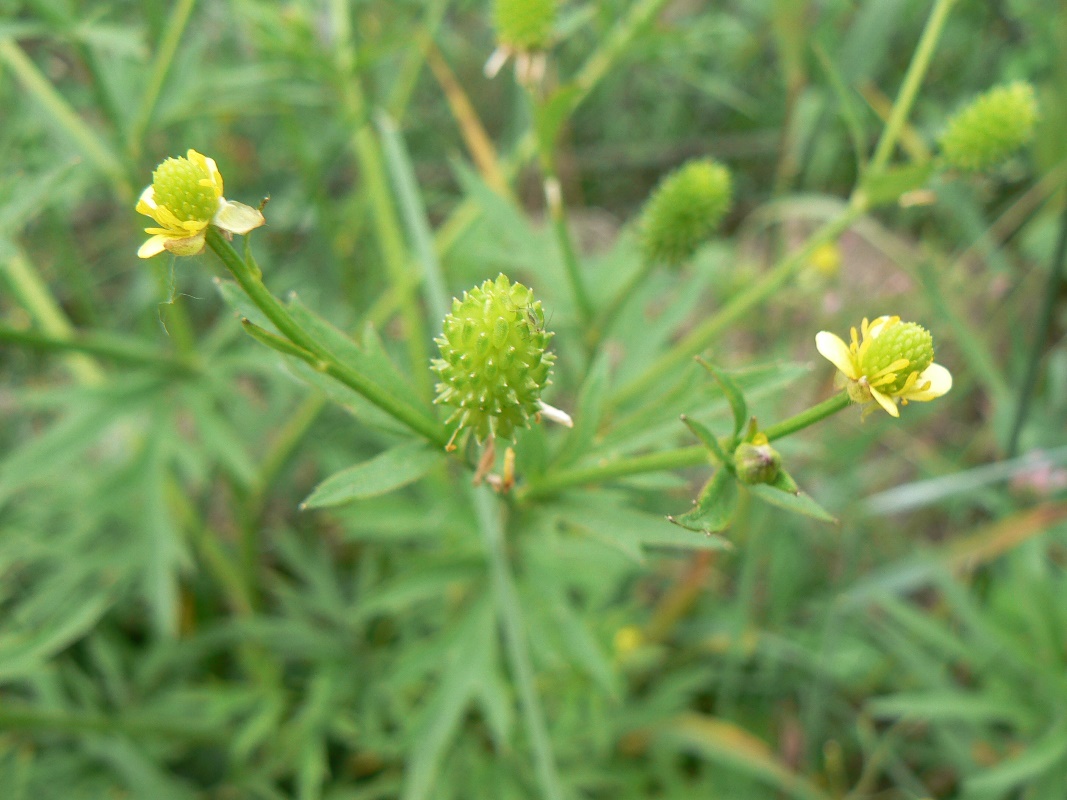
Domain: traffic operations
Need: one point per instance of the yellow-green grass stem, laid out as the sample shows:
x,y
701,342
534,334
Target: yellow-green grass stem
x,y
56,106
173,31
909,89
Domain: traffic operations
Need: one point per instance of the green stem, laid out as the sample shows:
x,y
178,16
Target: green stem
x,y
515,641
909,89
99,345
802,420
553,483
251,281
557,211
738,307
168,46
1037,349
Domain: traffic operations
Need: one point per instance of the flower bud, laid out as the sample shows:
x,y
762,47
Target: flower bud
x,y
524,25
991,128
756,463
683,211
493,364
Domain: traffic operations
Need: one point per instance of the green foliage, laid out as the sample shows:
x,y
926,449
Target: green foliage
x,y
236,560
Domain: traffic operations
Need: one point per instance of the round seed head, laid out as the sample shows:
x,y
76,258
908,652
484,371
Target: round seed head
x,y
684,211
991,128
177,185
903,341
493,365
524,25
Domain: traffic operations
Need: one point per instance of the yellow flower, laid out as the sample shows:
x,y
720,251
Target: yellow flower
x,y
887,361
184,198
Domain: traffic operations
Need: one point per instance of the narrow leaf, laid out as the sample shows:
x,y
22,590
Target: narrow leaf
x,y
384,473
799,503
733,395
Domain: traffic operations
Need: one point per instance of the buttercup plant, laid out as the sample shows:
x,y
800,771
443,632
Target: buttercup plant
x,y
451,598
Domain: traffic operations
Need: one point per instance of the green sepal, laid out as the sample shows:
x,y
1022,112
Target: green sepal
x,y
714,508
707,438
733,394
790,499
785,482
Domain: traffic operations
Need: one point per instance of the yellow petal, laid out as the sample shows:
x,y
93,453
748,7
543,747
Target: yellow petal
x,y
940,380
878,325
214,178
153,247
836,352
885,402
189,246
146,203
237,217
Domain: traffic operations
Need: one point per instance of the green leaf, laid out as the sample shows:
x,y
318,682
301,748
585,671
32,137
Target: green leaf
x,y
733,395
602,516
886,187
384,473
714,508
1032,763
467,666
799,503
706,437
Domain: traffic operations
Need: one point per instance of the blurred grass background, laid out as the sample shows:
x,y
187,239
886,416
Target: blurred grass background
x,y
173,626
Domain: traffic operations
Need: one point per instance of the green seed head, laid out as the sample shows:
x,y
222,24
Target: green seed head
x,y
524,25
493,364
895,342
991,128
684,211
756,463
176,185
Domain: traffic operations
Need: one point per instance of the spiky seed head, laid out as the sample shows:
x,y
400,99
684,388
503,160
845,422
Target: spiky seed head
x,y
493,365
683,211
902,341
991,128
524,25
186,189
756,463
